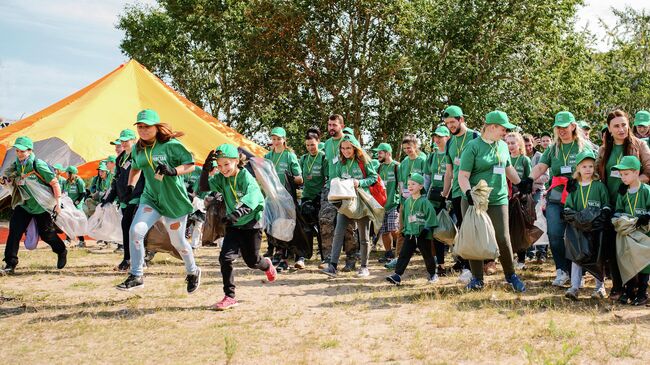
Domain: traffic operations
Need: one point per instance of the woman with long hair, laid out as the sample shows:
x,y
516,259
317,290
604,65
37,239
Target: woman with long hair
x,y
162,159
522,164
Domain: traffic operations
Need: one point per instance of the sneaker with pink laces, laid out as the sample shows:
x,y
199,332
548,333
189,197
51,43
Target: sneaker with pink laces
x,y
271,273
225,304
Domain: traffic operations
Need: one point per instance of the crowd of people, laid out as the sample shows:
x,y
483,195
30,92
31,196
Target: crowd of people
x,y
153,178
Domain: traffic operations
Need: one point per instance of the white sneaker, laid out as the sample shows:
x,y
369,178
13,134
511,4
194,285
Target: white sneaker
x,y
582,283
433,279
599,293
561,278
465,276
520,266
363,272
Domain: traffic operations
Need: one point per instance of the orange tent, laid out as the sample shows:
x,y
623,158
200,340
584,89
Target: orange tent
x,y
77,129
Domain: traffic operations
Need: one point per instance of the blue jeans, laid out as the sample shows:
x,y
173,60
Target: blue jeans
x,y
143,220
555,228
342,223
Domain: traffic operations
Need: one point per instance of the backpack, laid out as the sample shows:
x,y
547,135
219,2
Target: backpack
x,y
377,190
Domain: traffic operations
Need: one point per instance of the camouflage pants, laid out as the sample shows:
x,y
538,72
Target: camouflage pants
x,y
327,219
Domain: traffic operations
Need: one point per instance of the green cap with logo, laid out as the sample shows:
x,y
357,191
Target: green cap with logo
x,y
587,153
348,130
111,158
59,167
23,143
383,147
227,150
126,135
563,119
148,117
415,177
442,131
71,170
500,118
453,111
102,167
583,124
352,139
642,118
115,142
628,163
279,131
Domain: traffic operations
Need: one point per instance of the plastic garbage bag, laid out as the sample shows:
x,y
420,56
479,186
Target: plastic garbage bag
x,y
341,189
521,219
106,224
476,239
157,240
446,230
42,194
279,216
31,235
71,220
6,190
540,223
632,247
215,210
89,206
198,204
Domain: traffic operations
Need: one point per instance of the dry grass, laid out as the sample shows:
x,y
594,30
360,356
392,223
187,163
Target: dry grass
x,y
75,316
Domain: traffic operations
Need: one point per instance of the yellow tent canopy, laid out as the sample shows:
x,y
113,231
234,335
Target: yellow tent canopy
x,y
77,129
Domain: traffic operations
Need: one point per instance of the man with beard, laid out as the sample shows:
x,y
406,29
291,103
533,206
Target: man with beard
x,y
460,135
388,172
328,212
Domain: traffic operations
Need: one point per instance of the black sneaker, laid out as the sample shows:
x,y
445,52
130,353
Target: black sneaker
x,y
639,301
282,266
193,281
123,266
132,282
8,270
350,266
624,299
441,271
62,259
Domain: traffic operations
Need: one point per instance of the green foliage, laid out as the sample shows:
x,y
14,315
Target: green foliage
x,y
388,66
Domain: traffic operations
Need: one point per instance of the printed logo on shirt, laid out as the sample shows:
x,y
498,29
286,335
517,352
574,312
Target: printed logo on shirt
x,y
595,204
159,159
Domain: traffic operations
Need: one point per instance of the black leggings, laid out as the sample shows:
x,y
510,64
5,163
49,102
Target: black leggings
x,y
458,212
407,251
18,226
128,213
248,241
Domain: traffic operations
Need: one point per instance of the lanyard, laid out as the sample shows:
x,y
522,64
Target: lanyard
x,y
495,150
149,157
348,164
233,186
382,174
126,158
585,199
275,163
517,162
462,145
636,200
568,153
412,205
437,161
335,149
312,163
411,163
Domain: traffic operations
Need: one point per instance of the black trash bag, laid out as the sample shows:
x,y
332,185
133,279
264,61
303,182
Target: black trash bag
x,y
215,211
595,263
521,219
583,244
299,245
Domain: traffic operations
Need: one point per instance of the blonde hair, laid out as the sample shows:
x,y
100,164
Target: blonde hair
x,y
594,177
520,141
576,136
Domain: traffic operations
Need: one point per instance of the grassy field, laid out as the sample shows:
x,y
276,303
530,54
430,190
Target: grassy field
x,y
75,316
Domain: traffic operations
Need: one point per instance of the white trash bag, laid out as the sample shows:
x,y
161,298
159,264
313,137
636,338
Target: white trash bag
x,y
106,224
341,189
71,220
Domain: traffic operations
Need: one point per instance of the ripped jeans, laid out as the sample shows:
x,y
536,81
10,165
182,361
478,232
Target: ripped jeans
x,y
144,219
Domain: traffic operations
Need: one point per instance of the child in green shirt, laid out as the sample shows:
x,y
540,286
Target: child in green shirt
x,y
418,218
586,191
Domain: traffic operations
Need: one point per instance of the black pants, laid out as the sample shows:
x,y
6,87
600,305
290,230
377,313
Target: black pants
x,y
408,248
248,241
128,213
609,242
464,264
18,226
637,287
439,246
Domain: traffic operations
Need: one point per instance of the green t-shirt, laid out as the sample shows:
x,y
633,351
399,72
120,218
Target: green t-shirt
x,y
314,173
239,189
435,167
99,185
564,159
192,181
456,146
75,189
407,167
417,215
31,205
389,177
593,195
283,162
61,180
350,169
169,195
332,153
634,204
522,164
482,160
613,182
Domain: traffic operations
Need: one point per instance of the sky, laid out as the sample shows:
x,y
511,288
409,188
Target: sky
x,y
52,48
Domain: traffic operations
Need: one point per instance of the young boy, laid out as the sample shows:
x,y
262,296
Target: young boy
x,y
634,200
418,219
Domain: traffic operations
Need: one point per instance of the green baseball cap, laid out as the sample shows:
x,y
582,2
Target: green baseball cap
x,y
415,177
500,118
383,147
111,158
583,124
453,111
71,170
587,153
348,130
442,131
102,167
352,139
148,117
642,118
279,131
115,142
563,119
23,143
227,150
126,135
59,167
628,163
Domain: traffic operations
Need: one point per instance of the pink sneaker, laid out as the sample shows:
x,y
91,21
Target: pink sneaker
x,y
225,304
271,273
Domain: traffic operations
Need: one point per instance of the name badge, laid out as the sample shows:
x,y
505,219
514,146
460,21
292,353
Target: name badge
x,y
457,161
158,177
565,169
499,170
615,173
438,177
413,218
127,165
335,160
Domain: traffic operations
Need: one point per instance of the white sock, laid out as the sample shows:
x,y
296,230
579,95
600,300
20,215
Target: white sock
x,y
576,275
